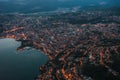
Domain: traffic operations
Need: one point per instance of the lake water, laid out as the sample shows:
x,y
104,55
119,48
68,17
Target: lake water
x,y
23,65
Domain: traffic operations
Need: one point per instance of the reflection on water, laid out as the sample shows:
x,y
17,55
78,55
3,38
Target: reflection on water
x,y
19,65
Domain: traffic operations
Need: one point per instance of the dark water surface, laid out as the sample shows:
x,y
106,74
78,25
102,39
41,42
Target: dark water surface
x,y
23,65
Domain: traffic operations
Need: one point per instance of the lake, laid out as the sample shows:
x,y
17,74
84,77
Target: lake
x,y
19,65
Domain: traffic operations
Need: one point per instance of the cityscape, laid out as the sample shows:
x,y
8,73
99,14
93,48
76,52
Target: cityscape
x,y
80,45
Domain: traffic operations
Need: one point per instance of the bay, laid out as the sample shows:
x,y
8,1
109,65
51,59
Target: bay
x,y
19,65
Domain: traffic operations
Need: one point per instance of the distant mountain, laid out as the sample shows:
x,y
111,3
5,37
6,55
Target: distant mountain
x,y
29,6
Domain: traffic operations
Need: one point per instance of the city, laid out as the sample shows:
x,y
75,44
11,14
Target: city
x,y
78,44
